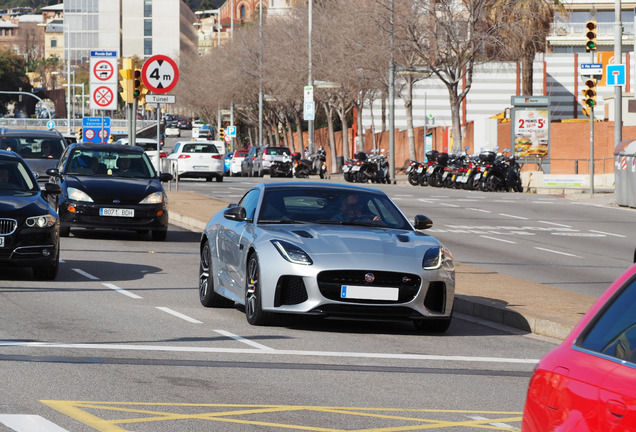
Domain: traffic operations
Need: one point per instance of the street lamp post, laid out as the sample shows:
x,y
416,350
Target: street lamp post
x,y
310,80
260,76
391,99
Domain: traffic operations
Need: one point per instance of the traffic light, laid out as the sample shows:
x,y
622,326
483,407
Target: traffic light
x,y
589,93
126,84
221,134
139,89
590,35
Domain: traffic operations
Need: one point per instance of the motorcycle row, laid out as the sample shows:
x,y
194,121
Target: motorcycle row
x,y
298,167
487,171
364,168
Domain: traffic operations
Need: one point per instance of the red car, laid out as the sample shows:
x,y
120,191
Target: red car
x,y
588,383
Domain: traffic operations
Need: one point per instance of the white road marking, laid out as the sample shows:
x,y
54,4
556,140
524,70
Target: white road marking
x,y
29,423
479,210
555,224
513,216
557,252
245,341
167,348
86,275
426,200
609,234
122,291
449,205
496,424
179,315
497,239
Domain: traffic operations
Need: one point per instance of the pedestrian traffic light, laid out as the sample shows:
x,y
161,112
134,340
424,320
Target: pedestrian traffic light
x,y
139,89
221,134
126,85
590,35
589,93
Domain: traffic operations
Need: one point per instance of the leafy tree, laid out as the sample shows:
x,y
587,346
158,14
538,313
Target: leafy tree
x,y
12,77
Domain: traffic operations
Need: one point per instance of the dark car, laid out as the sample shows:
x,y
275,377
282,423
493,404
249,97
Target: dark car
x,y
29,227
40,149
111,186
184,124
248,169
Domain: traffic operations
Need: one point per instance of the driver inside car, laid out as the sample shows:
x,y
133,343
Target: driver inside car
x,y
352,210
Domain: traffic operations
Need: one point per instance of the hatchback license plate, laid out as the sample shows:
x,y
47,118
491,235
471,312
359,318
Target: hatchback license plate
x,y
117,212
369,293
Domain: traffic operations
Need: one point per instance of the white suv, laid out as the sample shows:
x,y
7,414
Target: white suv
x,y
269,155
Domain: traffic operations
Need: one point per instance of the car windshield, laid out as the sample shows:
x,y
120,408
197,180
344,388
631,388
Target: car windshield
x,y
14,176
329,206
200,148
85,162
34,148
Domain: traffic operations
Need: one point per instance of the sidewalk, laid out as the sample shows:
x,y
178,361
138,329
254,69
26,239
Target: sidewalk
x,y
517,303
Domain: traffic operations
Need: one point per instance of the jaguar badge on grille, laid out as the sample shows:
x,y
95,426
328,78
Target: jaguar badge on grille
x,y
369,277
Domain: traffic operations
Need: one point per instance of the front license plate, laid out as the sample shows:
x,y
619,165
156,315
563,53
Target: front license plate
x,y
369,293
117,212
1,241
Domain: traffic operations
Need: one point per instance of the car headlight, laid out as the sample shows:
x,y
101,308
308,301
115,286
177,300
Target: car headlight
x,y
153,198
292,253
433,258
43,221
78,195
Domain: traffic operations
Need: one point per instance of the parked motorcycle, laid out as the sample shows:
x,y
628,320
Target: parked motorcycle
x,y
500,173
316,164
281,168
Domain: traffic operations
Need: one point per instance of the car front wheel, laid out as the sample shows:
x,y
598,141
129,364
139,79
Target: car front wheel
x,y
253,301
207,295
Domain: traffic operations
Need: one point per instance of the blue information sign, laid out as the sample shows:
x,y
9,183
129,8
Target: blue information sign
x,y
616,75
95,129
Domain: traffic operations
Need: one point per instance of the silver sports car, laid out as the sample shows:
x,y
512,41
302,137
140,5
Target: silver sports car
x,y
325,249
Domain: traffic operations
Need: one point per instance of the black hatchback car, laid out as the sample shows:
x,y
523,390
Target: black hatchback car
x,y
40,149
29,227
110,186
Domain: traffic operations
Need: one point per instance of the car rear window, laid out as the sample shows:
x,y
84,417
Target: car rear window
x,y
240,153
34,148
613,331
147,146
200,148
277,151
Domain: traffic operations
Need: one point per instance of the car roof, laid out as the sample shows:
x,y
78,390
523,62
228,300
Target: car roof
x,y
35,133
106,147
317,186
8,155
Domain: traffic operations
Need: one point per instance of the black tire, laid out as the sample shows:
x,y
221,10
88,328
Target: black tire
x,y
414,178
253,304
159,235
65,231
207,295
47,272
219,178
208,179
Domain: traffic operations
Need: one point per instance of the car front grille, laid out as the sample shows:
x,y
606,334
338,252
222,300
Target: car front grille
x,y
7,226
330,283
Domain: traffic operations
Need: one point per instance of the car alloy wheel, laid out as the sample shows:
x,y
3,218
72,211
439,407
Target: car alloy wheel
x,y
253,303
207,295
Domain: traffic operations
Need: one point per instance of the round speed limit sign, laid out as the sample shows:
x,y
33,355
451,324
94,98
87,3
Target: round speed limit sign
x,y
160,74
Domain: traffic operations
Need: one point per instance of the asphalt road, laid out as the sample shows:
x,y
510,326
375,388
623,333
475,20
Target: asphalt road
x,y
120,342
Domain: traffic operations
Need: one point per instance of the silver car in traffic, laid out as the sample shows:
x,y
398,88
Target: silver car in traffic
x,y
329,250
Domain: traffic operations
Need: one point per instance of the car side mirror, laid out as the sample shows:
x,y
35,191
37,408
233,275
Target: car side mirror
x,y
165,177
422,222
52,188
235,213
53,172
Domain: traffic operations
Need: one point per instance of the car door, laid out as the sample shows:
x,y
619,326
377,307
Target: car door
x,y
238,233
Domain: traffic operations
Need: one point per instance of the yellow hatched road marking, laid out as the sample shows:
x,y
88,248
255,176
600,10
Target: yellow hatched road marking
x,y
79,410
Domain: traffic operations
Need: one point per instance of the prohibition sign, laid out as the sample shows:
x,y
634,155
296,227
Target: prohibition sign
x,y
89,134
103,70
103,96
160,74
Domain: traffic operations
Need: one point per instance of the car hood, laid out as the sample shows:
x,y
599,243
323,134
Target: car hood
x,y
357,240
112,189
23,204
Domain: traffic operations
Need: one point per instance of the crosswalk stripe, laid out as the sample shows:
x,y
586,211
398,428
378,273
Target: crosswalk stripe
x,y
29,423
